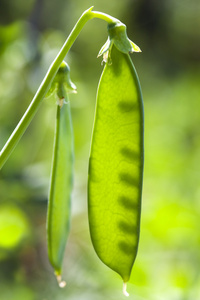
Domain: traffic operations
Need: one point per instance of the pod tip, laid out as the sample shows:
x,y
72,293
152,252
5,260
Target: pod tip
x,y
61,282
124,289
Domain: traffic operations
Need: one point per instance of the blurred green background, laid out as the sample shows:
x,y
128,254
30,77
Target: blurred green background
x,y
168,261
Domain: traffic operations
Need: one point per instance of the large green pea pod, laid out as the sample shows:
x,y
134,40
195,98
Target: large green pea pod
x,y
116,166
59,206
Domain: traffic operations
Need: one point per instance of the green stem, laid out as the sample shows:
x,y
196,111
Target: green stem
x,y
45,85
109,19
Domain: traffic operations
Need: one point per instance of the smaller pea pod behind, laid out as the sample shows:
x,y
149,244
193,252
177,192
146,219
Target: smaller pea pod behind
x,y
116,165
59,205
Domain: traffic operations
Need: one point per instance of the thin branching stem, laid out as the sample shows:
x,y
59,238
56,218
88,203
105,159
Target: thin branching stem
x,y
46,83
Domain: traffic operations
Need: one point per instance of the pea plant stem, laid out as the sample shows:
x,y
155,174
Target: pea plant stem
x,y
46,83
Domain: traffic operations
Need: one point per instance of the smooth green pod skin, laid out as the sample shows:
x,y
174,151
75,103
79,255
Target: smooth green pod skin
x,y
58,220
116,166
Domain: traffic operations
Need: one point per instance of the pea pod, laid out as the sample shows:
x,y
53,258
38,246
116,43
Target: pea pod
x,y
116,166
58,221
